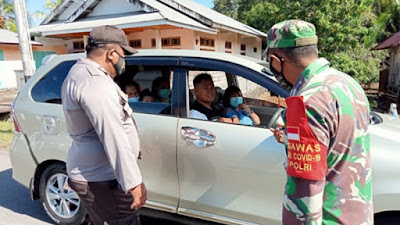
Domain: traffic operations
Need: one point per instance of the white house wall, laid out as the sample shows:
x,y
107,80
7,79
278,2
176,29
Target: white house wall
x,y
236,39
50,41
8,77
109,7
186,36
70,44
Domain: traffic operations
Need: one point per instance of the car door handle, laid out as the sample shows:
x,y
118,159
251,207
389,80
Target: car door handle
x,y
199,137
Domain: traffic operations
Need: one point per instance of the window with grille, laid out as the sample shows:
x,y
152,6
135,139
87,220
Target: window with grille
x,y
135,43
207,42
175,41
78,46
228,45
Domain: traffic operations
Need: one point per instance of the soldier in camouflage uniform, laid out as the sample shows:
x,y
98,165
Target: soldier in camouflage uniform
x,y
326,133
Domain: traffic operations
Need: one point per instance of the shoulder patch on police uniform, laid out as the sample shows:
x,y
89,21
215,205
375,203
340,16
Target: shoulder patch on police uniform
x,y
306,155
92,70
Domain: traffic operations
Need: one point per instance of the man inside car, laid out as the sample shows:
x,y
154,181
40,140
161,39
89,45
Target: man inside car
x,y
204,92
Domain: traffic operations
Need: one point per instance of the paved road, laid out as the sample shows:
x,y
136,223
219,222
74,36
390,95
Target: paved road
x,y
16,207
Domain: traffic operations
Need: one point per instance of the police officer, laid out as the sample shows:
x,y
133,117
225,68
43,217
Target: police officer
x,y
326,133
102,160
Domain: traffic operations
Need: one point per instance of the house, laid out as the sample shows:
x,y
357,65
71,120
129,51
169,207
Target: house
x,y
391,80
10,56
152,24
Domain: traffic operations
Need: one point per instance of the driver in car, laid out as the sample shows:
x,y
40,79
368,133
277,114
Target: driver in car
x,y
204,92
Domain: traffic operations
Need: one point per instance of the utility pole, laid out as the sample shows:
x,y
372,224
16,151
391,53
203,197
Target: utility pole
x,y
25,46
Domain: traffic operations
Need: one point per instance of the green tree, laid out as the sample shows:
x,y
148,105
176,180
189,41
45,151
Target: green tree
x,y
388,19
245,6
7,16
49,6
342,27
227,7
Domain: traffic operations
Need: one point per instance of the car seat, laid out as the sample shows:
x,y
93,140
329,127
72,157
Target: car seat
x,y
219,97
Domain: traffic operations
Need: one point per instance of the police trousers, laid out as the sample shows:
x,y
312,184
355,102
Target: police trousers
x,y
105,202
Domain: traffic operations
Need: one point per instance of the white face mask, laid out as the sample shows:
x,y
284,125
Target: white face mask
x,y
134,99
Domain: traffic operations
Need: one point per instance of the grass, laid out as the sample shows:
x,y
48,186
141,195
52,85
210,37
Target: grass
x,y
6,134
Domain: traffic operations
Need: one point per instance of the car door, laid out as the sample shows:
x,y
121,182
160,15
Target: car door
x,y
49,140
229,173
157,125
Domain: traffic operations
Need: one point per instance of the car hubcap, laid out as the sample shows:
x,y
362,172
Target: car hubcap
x,y
61,198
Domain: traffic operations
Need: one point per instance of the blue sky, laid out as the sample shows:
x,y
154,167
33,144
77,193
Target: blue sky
x,y
38,5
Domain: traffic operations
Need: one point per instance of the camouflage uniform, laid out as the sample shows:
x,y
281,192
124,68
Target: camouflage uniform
x,y
327,117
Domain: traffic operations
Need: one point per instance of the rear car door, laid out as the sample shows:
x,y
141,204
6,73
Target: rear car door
x,y
157,125
42,119
230,173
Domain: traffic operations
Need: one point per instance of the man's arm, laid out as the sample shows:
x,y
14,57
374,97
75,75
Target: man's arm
x,y
307,158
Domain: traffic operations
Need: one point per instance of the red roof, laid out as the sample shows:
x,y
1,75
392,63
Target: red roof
x,y
391,42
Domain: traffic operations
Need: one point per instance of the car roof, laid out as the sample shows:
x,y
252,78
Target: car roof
x,y
246,61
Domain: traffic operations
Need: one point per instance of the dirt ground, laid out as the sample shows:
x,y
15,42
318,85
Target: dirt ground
x,y
6,98
4,146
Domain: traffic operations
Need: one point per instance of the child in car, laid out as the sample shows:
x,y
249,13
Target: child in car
x,y
236,110
146,96
132,89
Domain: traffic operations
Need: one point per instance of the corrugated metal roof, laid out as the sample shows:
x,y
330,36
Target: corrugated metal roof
x,y
391,42
165,16
9,37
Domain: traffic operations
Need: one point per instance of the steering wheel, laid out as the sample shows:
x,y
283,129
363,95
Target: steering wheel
x,y
274,119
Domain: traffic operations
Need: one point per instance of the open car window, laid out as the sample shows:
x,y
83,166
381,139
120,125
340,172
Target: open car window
x,y
263,101
155,88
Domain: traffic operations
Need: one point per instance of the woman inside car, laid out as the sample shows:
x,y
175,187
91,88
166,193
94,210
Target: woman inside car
x,y
161,90
236,110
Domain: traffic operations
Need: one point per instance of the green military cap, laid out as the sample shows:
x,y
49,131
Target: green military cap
x,y
292,33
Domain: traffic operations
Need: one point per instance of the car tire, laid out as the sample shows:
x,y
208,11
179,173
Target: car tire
x,y
60,202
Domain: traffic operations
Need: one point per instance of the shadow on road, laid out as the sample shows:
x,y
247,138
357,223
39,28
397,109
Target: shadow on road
x,y
15,197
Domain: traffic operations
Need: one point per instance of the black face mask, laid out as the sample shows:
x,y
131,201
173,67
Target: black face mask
x,y
279,75
120,65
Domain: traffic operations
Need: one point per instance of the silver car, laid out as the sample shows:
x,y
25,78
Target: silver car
x,y
220,172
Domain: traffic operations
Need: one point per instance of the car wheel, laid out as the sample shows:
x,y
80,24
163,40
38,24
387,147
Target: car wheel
x,y
61,203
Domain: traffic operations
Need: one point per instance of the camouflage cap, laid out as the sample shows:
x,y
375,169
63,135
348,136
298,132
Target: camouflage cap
x,y
291,33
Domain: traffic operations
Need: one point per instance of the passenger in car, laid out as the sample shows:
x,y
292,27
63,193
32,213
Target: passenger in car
x,y
132,89
146,96
236,110
161,90
204,92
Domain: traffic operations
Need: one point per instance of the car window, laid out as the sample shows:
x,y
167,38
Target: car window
x,y
154,84
261,100
220,84
256,94
48,89
219,78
